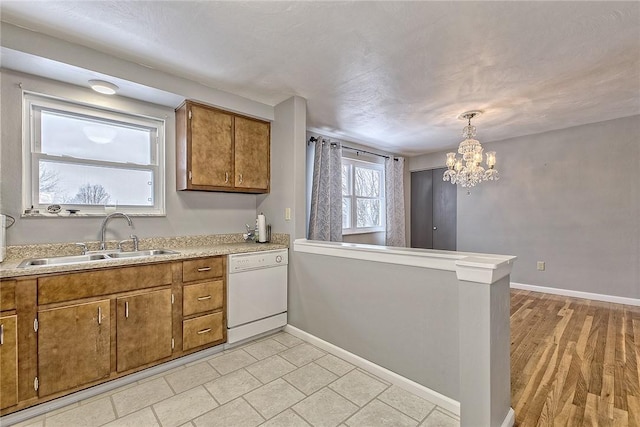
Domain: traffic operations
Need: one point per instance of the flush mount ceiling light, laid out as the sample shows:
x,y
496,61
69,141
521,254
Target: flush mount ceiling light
x,y
468,171
103,87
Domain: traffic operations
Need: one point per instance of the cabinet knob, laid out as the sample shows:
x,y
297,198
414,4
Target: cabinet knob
x,y
435,228
226,177
240,178
1,334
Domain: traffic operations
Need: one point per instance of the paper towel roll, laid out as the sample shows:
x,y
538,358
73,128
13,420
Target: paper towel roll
x,y
262,228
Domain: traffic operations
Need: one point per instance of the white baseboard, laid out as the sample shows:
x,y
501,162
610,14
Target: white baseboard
x,y
577,294
426,393
510,419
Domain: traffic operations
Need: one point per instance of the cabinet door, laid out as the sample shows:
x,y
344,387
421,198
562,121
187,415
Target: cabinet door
x,y
211,147
73,346
143,329
8,361
252,142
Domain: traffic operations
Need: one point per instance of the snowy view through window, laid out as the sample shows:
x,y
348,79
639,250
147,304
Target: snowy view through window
x,y
85,160
362,195
90,183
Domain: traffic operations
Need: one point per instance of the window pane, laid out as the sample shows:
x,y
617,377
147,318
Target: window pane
x,y
346,181
85,138
346,212
367,182
368,211
67,183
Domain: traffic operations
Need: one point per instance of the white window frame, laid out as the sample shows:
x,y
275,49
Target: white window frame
x,y
34,103
354,229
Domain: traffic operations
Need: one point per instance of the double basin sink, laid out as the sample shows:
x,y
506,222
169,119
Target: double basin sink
x,y
92,257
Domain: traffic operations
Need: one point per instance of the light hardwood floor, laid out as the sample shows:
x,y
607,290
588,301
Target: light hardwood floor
x,y
574,362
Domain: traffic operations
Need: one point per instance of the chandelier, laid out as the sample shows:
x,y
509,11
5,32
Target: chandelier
x,y
468,171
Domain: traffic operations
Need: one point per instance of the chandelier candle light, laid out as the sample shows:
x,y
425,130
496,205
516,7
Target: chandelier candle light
x,y
467,171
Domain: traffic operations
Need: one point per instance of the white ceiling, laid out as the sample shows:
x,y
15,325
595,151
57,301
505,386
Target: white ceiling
x,y
393,75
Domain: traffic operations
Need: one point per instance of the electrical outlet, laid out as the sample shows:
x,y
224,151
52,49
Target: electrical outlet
x,y
540,265
287,214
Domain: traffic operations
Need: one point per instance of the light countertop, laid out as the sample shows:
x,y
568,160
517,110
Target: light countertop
x,y
9,267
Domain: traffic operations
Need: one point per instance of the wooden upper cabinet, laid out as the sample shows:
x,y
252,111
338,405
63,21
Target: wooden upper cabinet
x,y
143,329
8,361
74,345
221,151
252,154
211,147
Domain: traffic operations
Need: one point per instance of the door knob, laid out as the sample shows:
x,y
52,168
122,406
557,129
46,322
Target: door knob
x,y
435,228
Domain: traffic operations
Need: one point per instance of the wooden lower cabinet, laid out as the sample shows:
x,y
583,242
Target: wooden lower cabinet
x,y
73,346
80,329
202,330
8,361
201,297
143,329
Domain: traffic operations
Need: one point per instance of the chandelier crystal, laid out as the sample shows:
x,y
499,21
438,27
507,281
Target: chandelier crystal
x,y
467,171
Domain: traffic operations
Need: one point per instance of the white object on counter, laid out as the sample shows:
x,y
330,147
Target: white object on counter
x,y
262,228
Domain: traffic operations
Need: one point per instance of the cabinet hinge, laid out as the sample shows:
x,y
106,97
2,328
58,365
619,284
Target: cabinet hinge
x,y
36,384
173,343
190,175
189,114
35,325
173,299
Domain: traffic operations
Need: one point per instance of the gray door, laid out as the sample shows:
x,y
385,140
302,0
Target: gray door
x,y
444,212
433,211
421,209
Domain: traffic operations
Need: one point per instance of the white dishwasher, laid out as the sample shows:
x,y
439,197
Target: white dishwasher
x,y
256,293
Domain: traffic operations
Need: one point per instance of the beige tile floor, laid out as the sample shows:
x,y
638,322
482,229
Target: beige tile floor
x,y
274,381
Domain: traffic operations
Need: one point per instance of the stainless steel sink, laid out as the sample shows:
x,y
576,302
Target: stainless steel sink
x,y
139,254
79,259
61,260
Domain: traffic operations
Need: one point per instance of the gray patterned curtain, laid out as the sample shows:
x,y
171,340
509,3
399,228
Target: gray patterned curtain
x,y
394,195
325,221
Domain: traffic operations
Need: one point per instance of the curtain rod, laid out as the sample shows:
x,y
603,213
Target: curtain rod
x,y
314,139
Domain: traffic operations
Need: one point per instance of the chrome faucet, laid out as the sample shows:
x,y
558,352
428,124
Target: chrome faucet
x,y
103,228
134,239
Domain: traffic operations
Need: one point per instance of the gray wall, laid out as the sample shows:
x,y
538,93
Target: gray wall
x,y
569,197
288,169
402,318
188,213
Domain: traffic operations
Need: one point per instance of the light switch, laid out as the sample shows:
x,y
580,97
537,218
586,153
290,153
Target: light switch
x,y
540,265
287,214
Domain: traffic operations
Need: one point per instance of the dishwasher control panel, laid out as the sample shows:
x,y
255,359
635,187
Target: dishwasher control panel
x,y
254,260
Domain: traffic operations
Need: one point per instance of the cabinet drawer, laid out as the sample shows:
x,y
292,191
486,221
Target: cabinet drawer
x,y
202,297
199,269
89,284
202,330
7,295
